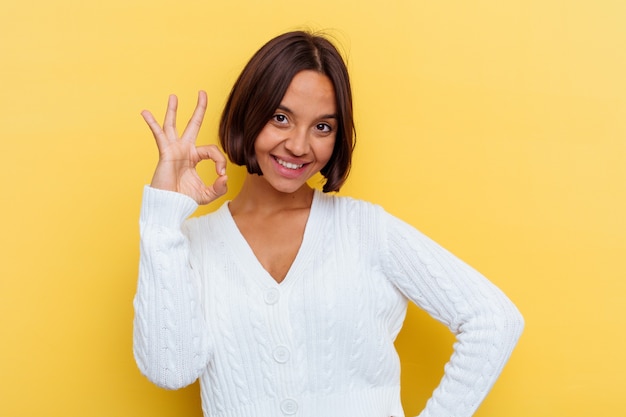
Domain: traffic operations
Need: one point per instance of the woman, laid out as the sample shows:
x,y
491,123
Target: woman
x,y
287,300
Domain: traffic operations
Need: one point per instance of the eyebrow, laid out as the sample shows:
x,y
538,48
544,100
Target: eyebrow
x,y
324,116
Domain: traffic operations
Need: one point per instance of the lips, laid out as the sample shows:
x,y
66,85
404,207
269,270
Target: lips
x,y
288,165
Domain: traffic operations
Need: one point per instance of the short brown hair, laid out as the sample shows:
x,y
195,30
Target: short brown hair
x,y
258,91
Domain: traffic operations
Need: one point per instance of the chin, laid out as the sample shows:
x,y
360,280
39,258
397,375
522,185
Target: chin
x,y
285,186
288,189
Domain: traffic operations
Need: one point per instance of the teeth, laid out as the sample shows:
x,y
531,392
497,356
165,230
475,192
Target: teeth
x,y
289,164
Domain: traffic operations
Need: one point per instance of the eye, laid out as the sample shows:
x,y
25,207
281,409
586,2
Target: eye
x,y
280,118
324,127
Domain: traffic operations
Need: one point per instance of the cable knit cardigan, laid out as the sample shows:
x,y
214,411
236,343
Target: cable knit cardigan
x,y
321,343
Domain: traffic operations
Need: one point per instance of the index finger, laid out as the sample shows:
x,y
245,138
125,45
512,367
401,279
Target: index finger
x,y
212,152
194,124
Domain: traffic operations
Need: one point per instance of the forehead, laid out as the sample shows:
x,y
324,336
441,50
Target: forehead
x,y
310,90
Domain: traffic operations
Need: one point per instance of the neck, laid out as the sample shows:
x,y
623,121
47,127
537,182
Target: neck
x,y
259,196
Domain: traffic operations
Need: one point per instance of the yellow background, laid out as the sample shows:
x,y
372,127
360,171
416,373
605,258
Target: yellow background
x,y
496,127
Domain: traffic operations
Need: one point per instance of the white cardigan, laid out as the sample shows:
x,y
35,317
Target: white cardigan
x,y
321,343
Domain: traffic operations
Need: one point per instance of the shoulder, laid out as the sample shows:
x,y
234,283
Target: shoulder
x,y
207,224
346,206
359,218
367,218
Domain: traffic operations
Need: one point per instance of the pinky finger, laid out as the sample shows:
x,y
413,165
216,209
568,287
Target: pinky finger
x,y
156,129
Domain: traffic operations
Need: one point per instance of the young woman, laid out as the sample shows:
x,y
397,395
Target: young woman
x,y
286,301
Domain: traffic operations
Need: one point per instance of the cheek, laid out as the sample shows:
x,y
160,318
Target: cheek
x,y
264,140
327,150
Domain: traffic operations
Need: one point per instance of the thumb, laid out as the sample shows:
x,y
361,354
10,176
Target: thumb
x,y
220,186
214,191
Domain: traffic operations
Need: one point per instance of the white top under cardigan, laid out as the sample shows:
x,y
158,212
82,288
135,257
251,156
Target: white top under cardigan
x,y
321,343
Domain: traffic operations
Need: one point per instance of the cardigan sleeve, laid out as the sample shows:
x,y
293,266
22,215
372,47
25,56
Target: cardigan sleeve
x,y
486,323
170,343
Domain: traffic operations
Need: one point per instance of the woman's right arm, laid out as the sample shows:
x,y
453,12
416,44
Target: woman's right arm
x,y
170,340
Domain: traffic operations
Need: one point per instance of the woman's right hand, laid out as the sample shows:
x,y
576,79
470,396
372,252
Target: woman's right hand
x,y
178,156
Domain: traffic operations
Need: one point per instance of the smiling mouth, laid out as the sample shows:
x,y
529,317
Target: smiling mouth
x,y
288,165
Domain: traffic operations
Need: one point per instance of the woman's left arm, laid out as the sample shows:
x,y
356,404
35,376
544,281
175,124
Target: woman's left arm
x,y
486,323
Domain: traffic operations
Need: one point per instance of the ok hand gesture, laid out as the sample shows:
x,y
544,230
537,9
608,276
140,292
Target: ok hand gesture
x,y
178,156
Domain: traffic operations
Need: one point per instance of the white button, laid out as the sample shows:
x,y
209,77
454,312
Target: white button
x,y
271,296
289,407
281,354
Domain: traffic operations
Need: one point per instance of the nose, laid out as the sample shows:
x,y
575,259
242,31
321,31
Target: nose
x,y
298,142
